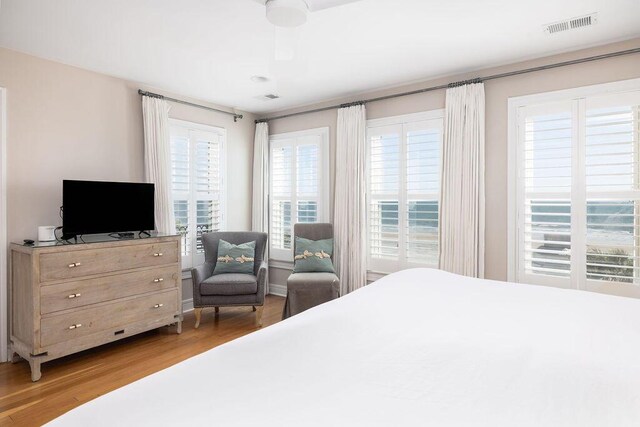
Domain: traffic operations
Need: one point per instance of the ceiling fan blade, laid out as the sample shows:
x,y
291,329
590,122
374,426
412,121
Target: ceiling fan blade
x,y
315,5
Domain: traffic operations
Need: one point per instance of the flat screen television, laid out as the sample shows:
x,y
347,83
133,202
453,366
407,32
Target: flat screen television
x,y
92,207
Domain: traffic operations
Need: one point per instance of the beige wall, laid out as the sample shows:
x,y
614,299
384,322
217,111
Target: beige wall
x,y
497,93
68,123
65,122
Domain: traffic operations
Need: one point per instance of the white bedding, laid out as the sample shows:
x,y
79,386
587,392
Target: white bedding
x,y
416,348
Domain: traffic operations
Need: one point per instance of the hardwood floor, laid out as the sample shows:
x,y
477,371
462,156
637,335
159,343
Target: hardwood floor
x,y
73,380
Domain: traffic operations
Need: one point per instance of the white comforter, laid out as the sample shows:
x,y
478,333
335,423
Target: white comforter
x,y
418,348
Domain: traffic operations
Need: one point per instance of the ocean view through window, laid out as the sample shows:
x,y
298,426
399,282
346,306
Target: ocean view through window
x,y
403,163
578,191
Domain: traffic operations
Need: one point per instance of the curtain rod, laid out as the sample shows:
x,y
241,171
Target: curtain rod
x,y
179,101
460,83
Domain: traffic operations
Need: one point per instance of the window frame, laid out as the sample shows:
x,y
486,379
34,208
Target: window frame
x,y
577,100
290,139
377,267
192,130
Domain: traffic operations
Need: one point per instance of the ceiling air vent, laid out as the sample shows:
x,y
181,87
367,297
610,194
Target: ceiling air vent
x,y
267,97
571,24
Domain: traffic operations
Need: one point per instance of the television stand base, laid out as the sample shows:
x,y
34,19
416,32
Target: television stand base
x,y
67,237
126,235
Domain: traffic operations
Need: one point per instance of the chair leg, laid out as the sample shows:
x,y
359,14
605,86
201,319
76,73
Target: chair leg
x,y
198,312
253,307
259,316
217,310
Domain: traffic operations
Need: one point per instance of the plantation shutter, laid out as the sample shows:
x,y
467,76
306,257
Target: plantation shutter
x,y
197,185
181,182
298,186
281,196
384,196
208,180
307,181
579,193
424,141
547,135
612,190
403,195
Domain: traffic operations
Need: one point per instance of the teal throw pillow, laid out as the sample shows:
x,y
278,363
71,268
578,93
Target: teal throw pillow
x,y
313,256
235,258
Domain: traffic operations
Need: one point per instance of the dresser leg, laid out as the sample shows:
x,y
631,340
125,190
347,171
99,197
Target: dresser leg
x,y
35,370
179,327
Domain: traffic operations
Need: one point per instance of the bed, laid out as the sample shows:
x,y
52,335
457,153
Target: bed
x,y
419,347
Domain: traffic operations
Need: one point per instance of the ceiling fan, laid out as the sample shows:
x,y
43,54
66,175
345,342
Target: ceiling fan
x,y
293,13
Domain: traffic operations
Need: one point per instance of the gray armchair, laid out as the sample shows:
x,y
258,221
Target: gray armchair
x,y
306,290
231,289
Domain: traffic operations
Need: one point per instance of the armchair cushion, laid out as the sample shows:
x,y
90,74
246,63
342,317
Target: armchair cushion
x,y
235,258
229,284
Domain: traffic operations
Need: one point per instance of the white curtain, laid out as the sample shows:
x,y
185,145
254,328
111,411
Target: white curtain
x,y
260,210
349,216
260,205
157,160
462,194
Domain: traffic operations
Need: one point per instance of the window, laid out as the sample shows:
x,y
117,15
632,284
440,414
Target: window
x,y
197,168
577,201
299,188
403,191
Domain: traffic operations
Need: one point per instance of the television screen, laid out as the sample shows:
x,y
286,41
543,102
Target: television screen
x,y
91,207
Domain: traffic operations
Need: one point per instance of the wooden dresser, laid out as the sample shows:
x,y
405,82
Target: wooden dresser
x,y
68,298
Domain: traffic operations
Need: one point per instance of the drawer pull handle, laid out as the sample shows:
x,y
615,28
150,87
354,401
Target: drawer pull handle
x,y
158,305
158,280
76,326
74,295
75,264
158,254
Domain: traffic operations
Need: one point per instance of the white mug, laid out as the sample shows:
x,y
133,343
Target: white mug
x,y
47,233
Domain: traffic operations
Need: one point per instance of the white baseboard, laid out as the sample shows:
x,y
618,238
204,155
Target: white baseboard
x,y
187,305
278,290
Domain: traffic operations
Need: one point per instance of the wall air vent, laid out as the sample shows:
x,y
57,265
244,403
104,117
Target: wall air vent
x,y
571,24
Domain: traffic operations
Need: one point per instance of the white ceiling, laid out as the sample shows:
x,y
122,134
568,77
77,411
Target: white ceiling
x,y
209,49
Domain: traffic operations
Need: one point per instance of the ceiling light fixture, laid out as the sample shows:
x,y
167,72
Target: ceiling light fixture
x,y
259,79
287,13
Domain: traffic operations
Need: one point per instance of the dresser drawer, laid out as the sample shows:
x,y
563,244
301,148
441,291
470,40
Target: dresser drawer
x,y
82,322
63,296
78,263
